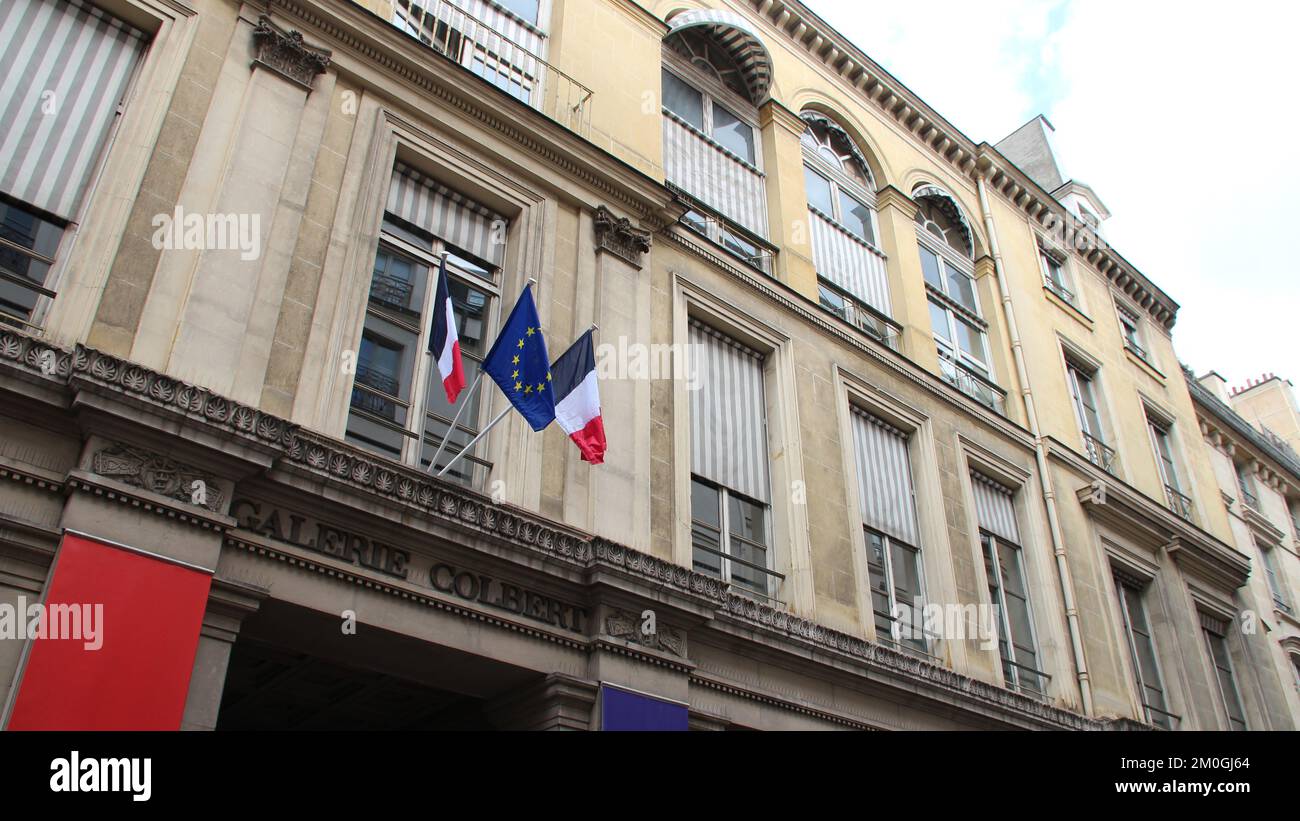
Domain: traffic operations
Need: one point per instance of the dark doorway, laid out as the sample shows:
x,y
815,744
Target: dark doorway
x,y
295,669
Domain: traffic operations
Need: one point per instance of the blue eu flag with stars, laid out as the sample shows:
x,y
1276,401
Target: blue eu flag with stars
x,y
520,366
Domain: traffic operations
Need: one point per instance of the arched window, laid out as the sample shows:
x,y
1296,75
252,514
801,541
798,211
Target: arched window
x,y
947,248
841,192
715,73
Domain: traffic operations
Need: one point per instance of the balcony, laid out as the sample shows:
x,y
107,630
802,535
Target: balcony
x,y
391,292
506,54
1178,503
849,262
708,172
724,234
863,317
1101,454
1064,294
374,392
973,385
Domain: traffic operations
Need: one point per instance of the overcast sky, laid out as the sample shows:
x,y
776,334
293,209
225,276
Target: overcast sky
x,y
1183,117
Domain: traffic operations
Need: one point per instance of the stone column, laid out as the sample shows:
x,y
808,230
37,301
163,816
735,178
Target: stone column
x,y
896,214
229,603
787,199
558,702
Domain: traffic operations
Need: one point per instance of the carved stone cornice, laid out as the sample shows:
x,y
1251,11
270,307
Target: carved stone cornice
x,y
285,53
620,237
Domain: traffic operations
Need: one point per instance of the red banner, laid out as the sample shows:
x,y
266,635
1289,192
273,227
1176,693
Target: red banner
x,y
113,644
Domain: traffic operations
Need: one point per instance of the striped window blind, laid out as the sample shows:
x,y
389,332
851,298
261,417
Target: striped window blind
x,y
728,418
994,506
65,66
450,216
884,478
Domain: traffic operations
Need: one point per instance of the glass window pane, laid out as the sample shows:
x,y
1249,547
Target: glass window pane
x,y
930,268
939,320
682,100
971,341
704,504
819,191
907,574
23,228
734,135
961,289
748,520
856,217
398,282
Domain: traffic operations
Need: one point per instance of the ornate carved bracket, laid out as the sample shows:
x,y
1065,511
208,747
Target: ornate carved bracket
x,y
158,474
285,53
619,237
627,626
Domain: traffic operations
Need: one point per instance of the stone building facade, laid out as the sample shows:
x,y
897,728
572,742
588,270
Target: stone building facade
x,y
857,370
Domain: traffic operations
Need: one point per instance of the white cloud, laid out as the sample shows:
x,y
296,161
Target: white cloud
x,y
1178,114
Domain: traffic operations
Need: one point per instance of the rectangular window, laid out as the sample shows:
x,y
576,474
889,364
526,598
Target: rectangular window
x,y
820,195
1055,277
57,127
1008,592
1246,483
733,134
525,10
1131,328
1215,631
889,515
1083,396
730,493
1142,652
1179,502
1273,575
856,216
398,406
682,100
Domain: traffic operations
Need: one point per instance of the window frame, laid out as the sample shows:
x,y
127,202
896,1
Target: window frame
x,y
1210,638
50,287
713,93
1126,622
1006,636
1062,285
887,572
416,432
725,554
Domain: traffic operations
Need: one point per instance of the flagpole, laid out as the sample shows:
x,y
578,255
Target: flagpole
x,y
474,441
531,282
464,404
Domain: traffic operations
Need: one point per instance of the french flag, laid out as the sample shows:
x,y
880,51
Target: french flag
x,y
444,343
577,399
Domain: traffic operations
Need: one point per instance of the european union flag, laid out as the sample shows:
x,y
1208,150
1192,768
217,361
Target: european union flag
x,y
519,364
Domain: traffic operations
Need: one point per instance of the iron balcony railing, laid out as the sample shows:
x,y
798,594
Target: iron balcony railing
x,y
390,291
1178,503
482,49
1024,679
379,399
973,385
1100,454
725,235
1067,296
862,316
1138,351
